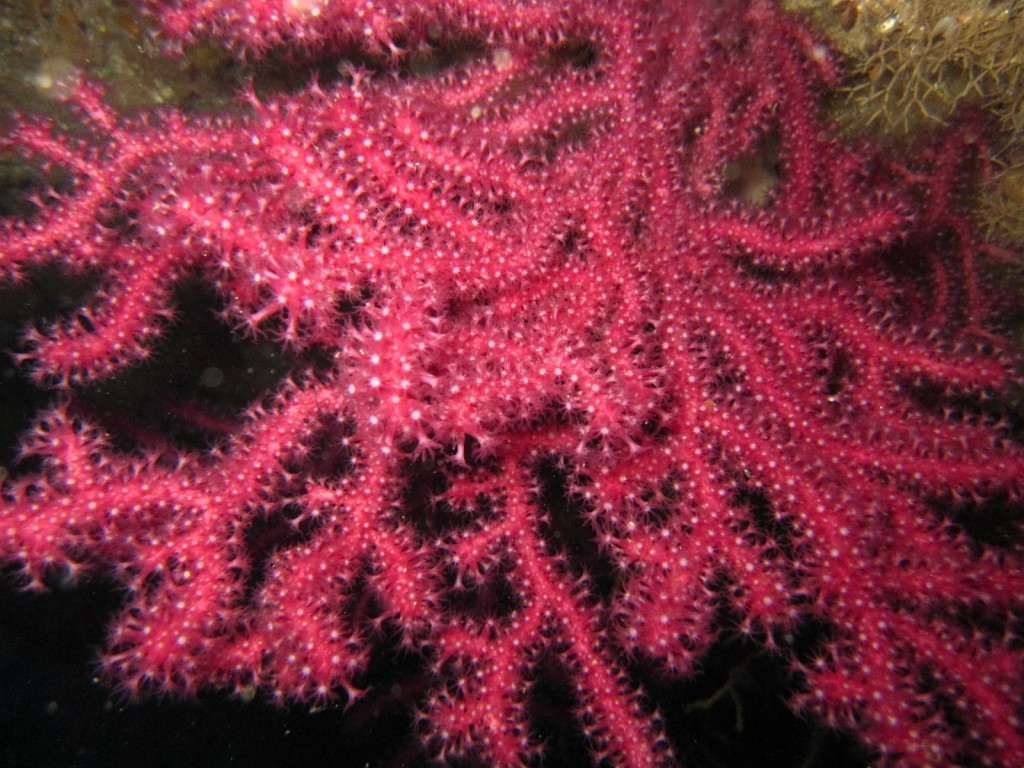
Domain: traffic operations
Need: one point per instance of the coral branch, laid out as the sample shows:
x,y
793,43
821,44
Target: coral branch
x,y
577,408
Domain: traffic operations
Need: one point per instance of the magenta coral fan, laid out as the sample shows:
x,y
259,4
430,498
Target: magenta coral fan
x,y
532,269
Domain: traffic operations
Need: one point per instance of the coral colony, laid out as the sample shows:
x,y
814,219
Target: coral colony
x,y
545,298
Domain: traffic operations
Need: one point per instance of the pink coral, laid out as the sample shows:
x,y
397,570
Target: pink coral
x,y
530,271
